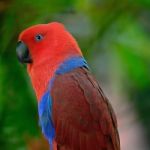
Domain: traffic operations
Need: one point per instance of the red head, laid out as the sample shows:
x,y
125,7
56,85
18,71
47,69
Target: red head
x,y
44,47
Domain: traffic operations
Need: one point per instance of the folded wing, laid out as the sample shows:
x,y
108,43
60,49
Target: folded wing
x,y
82,115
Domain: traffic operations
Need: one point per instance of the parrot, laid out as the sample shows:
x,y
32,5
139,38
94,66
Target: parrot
x,y
74,113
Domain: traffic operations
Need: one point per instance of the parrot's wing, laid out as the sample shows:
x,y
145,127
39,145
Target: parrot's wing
x,y
83,117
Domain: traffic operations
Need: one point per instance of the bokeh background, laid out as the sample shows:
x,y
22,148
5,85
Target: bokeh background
x,y
115,39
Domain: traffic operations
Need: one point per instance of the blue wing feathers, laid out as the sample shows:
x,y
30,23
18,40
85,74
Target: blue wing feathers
x,y
71,64
45,119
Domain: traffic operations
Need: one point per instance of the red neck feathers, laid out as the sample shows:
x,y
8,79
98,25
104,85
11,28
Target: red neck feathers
x,y
41,74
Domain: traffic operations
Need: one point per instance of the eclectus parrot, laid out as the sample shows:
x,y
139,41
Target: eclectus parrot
x,y
74,113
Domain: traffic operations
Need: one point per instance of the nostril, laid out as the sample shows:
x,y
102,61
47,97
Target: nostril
x,y
19,43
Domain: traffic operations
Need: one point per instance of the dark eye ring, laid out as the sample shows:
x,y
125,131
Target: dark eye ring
x,y
38,37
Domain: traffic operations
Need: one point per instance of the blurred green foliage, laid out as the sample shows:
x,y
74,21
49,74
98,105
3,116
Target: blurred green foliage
x,y
120,28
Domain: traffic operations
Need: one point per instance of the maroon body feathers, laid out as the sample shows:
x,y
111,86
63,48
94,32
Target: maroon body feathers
x,y
92,128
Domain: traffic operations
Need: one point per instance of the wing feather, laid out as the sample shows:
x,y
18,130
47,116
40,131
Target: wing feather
x,y
83,117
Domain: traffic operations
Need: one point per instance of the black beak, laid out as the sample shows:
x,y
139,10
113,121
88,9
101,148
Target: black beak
x,y
23,53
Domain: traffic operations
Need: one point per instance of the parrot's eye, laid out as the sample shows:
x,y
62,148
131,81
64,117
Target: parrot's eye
x,y
38,37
